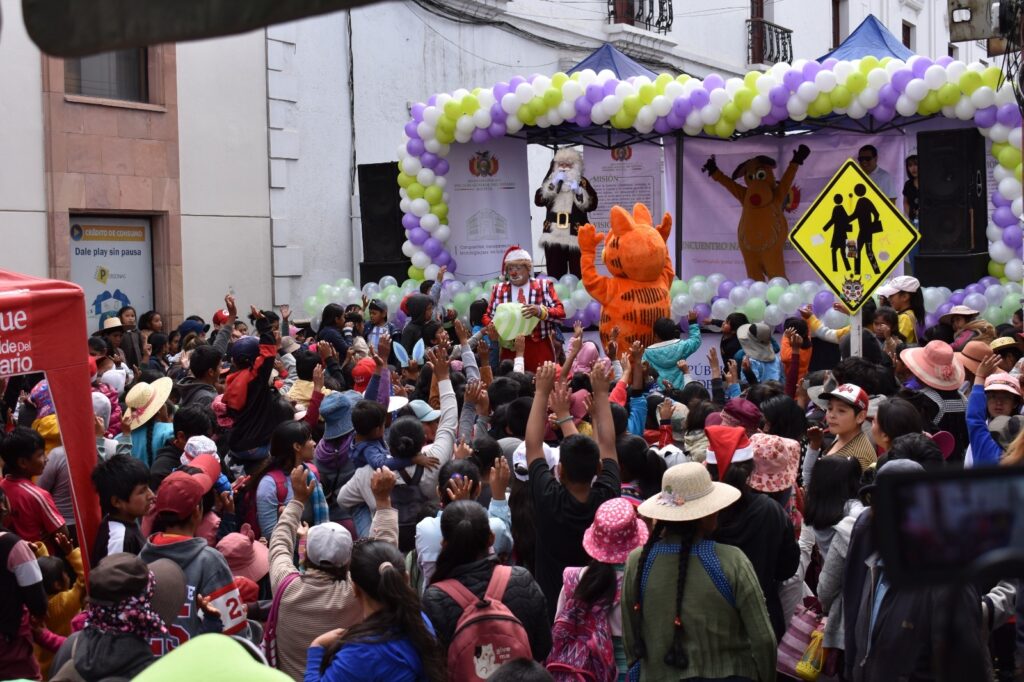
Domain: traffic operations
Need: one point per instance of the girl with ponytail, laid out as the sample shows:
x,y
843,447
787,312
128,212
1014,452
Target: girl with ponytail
x,y
692,608
394,643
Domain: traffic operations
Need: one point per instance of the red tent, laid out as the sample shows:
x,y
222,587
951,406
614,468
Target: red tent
x,y
43,329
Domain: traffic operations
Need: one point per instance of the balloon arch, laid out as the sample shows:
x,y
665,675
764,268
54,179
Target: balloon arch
x,y
869,90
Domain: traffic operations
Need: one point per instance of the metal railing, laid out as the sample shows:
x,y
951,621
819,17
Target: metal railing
x,y
652,15
768,43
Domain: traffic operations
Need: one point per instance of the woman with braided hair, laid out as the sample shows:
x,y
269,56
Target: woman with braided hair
x,y
692,609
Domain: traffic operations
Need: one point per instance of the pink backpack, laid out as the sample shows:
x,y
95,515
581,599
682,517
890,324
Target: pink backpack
x,y
487,634
582,648
270,627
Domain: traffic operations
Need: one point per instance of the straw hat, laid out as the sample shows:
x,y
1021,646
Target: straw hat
x,y
616,532
935,365
961,310
687,494
145,400
1003,344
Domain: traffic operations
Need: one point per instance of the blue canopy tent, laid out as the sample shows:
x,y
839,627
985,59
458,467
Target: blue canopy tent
x,y
607,57
871,38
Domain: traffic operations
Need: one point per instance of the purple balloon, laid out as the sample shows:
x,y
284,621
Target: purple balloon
x,y
999,200
974,289
747,282
673,121
496,110
810,70
432,247
452,265
500,90
956,298
681,107
584,106
887,95
1003,217
944,61
442,167
829,63
792,80
778,95
931,319
442,259
595,93
1013,237
985,118
943,309
1009,115
699,99
409,221
432,100
725,287
583,120
987,281
661,126
515,83
400,319
920,66
703,312
594,312
713,81
480,135
823,300
418,236
415,146
883,114
609,86
901,78
429,160
497,129
410,130
417,112
780,113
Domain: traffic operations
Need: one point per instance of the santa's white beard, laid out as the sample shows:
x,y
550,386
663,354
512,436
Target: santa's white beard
x,y
562,200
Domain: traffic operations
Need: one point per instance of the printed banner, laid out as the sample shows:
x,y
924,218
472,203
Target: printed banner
x,y
489,206
711,214
112,260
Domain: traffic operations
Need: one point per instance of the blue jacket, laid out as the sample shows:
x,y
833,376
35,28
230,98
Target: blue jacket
x,y
985,451
376,454
664,356
393,660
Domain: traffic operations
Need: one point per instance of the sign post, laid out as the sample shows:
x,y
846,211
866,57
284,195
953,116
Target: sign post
x,y
854,237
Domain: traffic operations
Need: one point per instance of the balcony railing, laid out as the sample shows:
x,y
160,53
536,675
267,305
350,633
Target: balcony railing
x,y
642,14
768,43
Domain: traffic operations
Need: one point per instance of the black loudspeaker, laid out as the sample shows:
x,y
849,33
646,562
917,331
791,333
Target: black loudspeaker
x,y
953,194
953,270
383,233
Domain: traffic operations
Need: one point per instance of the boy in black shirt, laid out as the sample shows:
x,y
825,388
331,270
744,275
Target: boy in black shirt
x,y
571,501
122,483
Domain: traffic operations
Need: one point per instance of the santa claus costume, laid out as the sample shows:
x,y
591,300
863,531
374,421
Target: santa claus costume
x,y
567,196
539,300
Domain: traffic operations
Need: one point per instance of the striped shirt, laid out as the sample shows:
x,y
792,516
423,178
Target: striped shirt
x,y
33,512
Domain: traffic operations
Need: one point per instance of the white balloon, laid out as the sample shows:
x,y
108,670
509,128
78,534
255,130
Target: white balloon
x,y
977,67
464,124
566,109
905,106
598,114
877,78
894,66
916,89
1017,206
405,205
1004,95
778,70
807,92
645,117
638,82
1014,137
825,80
430,272
607,74
761,105
612,104
749,119
983,97
661,105
481,118
524,93
799,64
513,125
463,136
642,127
719,97
733,85
402,151
509,102
442,233
710,114
842,71
954,70
486,99
1010,188
431,115
420,259
425,177
993,232
765,83
673,90
692,129
408,248
856,110
999,133
796,107
425,131
419,207
430,222
587,76
935,77
799,117
999,173
1000,252
949,111
459,94
964,109
441,181
624,89
868,98
1014,269
694,121
411,165
542,121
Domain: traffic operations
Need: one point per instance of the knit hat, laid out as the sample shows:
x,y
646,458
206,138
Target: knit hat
x,y
727,444
245,556
851,394
756,341
336,410
776,460
973,353
935,365
615,532
360,349
329,544
687,494
1003,382
742,412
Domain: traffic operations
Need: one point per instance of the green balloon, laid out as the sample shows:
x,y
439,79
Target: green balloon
x,y
324,291
744,97
840,97
312,305
774,294
856,82
432,194
452,109
552,97
731,112
678,287
970,81
415,190
561,290
754,309
647,93
440,210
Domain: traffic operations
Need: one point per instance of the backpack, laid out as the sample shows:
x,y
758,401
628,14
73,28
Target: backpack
x,y
487,634
270,627
582,648
408,500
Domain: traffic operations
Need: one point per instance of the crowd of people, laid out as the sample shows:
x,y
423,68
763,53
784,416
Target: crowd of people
x,y
344,500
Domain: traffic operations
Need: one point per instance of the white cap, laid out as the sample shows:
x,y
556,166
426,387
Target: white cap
x,y
895,285
329,544
519,460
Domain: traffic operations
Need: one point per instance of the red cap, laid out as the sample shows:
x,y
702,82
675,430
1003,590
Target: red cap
x,y
362,372
181,493
210,467
851,394
220,317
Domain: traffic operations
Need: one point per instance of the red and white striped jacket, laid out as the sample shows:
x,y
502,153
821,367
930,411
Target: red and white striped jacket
x,y
539,292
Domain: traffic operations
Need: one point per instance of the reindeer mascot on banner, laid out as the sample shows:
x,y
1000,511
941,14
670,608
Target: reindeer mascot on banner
x,y
567,196
635,253
763,228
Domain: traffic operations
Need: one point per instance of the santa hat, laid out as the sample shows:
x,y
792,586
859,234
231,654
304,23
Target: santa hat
x,y
727,444
515,253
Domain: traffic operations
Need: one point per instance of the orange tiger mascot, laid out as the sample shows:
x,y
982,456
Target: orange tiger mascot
x,y
637,293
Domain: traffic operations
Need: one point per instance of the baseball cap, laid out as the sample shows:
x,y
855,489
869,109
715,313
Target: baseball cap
x,y
221,317
329,544
192,327
245,349
424,412
362,372
904,283
519,467
851,394
180,493
210,466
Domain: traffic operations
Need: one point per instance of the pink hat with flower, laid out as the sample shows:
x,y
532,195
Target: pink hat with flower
x,y
616,532
776,460
935,365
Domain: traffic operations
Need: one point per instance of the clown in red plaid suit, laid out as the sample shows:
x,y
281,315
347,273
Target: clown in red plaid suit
x,y
539,300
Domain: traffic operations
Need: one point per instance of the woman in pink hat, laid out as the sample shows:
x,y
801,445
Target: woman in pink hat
x,y
590,596
938,373
1000,397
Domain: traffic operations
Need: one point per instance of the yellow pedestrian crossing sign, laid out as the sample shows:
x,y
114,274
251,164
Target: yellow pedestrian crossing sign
x,y
853,236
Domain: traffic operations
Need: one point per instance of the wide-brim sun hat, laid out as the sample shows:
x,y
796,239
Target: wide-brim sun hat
x,y
756,341
145,400
961,310
935,365
973,353
615,532
687,494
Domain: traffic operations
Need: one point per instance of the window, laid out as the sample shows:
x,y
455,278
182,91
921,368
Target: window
x,y
621,11
121,74
908,35
836,38
953,51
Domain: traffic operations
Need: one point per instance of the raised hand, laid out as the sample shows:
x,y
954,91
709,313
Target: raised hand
x,y
461,333
500,476
814,437
438,357
382,482
559,400
229,305
545,379
601,376
463,450
520,345
301,489
710,166
691,316
988,367
318,378
665,409
384,346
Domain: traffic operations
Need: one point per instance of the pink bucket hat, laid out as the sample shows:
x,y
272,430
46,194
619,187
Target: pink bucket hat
x,y
935,365
776,460
245,556
616,532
